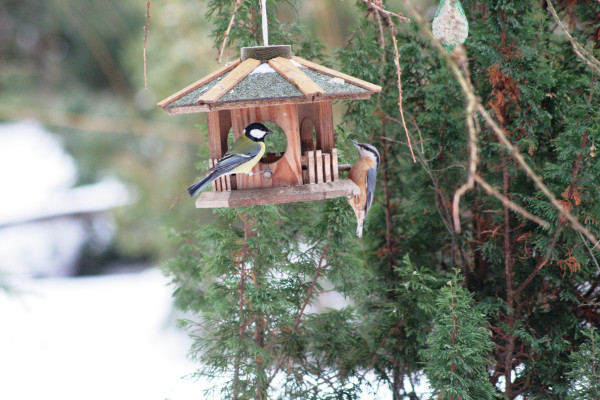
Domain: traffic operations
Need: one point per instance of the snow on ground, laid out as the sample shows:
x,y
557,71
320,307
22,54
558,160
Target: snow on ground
x,y
109,337
45,221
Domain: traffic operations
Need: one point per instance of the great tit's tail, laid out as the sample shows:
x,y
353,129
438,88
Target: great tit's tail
x,y
198,186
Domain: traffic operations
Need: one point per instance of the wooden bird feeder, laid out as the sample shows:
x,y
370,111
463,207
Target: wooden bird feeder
x,y
270,84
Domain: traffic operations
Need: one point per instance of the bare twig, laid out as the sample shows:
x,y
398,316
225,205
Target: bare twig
x,y
399,83
510,204
589,250
146,30
378,5
226,37
581,51
473,158
501,135
499,131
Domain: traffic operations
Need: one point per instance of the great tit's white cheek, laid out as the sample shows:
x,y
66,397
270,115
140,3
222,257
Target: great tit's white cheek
x,y
257,133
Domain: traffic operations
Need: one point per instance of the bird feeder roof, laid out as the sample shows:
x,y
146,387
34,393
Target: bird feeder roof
x,y
278,80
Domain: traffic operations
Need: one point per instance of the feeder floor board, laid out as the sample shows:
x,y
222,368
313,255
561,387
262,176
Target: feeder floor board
x,y
277,195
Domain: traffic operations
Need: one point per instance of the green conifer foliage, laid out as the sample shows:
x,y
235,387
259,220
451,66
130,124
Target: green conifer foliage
x,y
584,373
250,277
458,347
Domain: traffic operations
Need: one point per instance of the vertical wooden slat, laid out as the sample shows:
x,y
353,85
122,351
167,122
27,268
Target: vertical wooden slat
x,y
319,165
218,124
334,165
327,167
216,184
325,139
310,156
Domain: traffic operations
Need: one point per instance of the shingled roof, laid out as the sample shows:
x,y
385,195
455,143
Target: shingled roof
x,y
254,83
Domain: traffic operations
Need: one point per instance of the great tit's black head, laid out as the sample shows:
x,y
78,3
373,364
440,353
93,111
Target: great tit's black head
x,y
256,132
366,149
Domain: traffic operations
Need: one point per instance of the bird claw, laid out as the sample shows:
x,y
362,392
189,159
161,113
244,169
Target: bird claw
x,y
267,174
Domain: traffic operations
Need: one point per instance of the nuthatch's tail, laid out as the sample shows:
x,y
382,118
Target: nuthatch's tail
x,y
198,186
359,228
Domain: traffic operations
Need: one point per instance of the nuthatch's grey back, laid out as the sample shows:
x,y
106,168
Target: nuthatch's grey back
x,y
364,174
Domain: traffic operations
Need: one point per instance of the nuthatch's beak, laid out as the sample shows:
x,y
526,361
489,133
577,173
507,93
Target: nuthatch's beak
x,y
355,144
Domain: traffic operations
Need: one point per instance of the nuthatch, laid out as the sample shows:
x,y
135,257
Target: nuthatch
x,y
364,174
243,155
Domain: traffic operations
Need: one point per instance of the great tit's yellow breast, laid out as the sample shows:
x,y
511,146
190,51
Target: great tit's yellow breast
x,y
248,165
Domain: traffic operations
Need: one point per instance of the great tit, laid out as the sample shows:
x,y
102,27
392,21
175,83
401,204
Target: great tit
x,y
243,155
364,174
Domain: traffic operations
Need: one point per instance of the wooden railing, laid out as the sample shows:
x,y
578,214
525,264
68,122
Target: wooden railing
x,y
317,167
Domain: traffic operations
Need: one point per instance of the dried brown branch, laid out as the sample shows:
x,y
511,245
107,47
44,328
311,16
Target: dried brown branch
x,y
378,5
502,136
146,30
499,131
473,157
399,84
589,250
381,13
226,37
510,204
585,55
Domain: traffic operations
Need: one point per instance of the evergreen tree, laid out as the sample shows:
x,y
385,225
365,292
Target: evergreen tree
x,y
458,348
251,276
584,374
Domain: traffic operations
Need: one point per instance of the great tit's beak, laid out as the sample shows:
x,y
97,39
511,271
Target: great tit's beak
x,y
268,132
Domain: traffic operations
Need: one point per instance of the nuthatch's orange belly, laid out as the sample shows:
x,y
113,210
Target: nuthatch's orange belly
x,y
358,175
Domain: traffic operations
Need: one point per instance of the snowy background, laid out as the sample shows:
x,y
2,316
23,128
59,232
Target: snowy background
x,y
64,337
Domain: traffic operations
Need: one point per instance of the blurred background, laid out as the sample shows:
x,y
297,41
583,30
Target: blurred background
x,y
93,175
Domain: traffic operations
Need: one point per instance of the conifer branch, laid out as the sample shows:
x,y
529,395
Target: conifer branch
x,y
243,324
500,132
502,136
320,267
228,30
585,55
537,268
509,203
387,14
399,84
589,250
